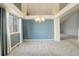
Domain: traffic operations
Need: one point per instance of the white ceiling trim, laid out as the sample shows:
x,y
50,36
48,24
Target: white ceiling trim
x,y
43,16
11,8
68,9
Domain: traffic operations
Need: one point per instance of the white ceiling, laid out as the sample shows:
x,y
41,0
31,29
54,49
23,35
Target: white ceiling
x,y
44,8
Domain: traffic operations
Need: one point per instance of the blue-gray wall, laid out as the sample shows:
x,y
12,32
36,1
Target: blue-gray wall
x,y
34,30
3,32
0,32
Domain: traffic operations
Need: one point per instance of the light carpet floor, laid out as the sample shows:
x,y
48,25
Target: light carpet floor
x,y
69,47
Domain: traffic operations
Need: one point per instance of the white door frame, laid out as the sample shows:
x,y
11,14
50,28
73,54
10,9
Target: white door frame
x,y
56,29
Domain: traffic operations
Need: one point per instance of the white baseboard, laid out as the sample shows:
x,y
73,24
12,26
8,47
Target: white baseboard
x,y
37,39
15,46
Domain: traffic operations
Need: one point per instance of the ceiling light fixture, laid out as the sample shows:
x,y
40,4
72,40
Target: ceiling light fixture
x,y
39,19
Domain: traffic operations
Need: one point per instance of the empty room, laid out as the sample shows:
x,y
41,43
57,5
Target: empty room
x,y
39,29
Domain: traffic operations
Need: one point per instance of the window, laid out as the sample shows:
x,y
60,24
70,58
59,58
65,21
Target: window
x,y
13,24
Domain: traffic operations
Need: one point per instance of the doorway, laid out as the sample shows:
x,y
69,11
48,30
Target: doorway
x,y
69,27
